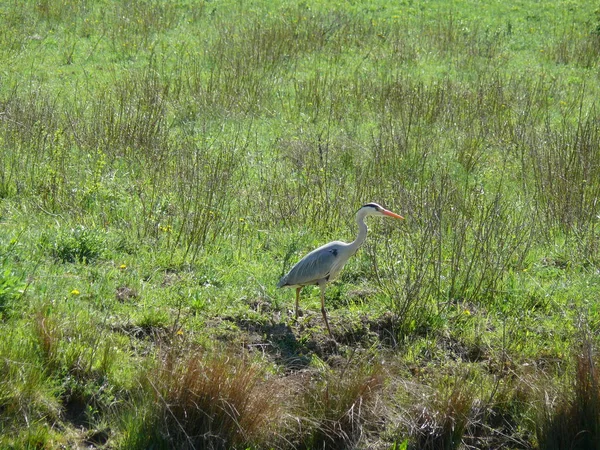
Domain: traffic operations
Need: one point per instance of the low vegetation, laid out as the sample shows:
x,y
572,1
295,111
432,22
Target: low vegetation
x,y
162,164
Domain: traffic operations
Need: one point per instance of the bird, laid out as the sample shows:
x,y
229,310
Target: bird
x,y
325,263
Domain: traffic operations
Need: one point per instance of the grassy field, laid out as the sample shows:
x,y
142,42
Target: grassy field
x,y
163,163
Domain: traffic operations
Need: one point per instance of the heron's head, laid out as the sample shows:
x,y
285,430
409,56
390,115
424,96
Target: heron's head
x,y
374,209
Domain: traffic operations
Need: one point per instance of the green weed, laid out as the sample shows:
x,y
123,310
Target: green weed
x,y
11,288
79,244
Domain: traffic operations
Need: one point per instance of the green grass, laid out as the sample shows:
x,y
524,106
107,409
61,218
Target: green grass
x,y
162,164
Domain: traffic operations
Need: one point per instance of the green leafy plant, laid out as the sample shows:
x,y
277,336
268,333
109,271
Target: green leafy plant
x,y
79,244
11,288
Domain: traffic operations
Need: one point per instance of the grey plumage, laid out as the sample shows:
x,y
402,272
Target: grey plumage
x,y
326,262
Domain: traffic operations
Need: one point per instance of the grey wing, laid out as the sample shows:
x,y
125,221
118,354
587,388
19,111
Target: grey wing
x,y
315,266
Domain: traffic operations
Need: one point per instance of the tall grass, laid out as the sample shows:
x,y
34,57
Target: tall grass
x,y
132,118
29,398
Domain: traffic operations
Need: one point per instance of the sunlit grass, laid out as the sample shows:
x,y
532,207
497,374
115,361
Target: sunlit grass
x,y
162,164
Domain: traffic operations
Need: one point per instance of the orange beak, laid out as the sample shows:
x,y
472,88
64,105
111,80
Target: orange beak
x,y
391,214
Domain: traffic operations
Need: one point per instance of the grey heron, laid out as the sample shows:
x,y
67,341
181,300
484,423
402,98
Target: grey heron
x,y
326,262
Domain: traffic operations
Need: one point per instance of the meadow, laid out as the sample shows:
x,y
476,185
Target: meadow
x,y
164,163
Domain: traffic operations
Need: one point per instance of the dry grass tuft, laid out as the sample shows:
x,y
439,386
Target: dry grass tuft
x,y
48,334
340,407
572,419
443,423
214,401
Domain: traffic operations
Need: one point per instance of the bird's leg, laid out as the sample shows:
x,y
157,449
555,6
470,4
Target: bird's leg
x,y
322,286
297,300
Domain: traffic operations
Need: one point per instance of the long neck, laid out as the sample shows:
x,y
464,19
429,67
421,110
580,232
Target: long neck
x,y
362,233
